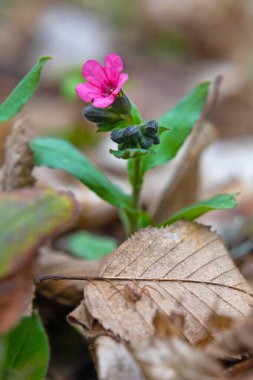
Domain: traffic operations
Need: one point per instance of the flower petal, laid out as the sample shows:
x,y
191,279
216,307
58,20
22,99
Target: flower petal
x,y
103,102
122,79
113,67
87,92
94,73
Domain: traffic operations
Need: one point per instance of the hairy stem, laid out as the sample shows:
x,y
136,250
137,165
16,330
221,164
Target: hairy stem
x,y
136,185
134,217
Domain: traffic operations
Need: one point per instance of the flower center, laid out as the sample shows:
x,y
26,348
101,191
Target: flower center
x,y
108,89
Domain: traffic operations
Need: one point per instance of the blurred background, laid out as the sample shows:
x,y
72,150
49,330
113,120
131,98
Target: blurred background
x,y
168,47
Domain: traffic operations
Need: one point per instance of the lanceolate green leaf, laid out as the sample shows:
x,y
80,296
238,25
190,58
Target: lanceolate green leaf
x,y
89,246
28,217
60,154
22,92
25,351
135,114
219,202
180,121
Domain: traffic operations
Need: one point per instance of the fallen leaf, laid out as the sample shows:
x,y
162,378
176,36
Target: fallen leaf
x,y
241,371
183,269
239,338
30,217
168,326
174,359
18,161
114,361
94,212
164,356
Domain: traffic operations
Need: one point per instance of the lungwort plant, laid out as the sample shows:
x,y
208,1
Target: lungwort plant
x,y
32,215
146,144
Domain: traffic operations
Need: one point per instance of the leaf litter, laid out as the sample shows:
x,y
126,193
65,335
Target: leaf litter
x,y
183,269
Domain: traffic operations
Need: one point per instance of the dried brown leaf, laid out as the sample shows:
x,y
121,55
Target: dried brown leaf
x,y
183,269
114,361
18,163
174,359
168,326
239,339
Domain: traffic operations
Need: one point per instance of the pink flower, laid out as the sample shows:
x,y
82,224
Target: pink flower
x,y
103,82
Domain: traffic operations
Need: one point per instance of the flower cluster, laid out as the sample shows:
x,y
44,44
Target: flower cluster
x,y
143,136
103,82
111,109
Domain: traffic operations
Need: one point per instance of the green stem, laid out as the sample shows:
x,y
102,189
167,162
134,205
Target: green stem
x,y
136,185
134,219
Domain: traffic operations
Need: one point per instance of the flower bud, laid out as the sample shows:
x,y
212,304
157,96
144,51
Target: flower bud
x,y
150,128
122,104
117,136
146,142
156,140
100,115
132,133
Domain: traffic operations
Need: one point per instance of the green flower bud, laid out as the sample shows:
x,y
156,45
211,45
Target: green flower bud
x,y
122,104
150,128
156,140
100,115
117,136
132,133
146,142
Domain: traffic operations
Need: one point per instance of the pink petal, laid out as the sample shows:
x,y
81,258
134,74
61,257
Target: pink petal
x,y
122,79
103,102
87,92
94,73
113,67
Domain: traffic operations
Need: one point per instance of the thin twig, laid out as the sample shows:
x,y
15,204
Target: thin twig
x,y
145,279
213,98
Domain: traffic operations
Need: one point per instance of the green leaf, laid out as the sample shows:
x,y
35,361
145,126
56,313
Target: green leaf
x,y
194,211
25,351
22,92
136,116
28,217
105,127
130,153
180,120
90,246
68,84
60,154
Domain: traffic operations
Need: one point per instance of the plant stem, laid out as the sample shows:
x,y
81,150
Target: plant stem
x,y
134,220
136,185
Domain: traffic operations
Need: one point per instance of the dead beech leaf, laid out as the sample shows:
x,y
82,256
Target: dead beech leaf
x,y
168,326
183,269
114,361
163,356
174,359
239,338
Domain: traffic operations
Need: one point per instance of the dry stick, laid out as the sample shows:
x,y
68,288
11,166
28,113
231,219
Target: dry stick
x,y
213,98
145,279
